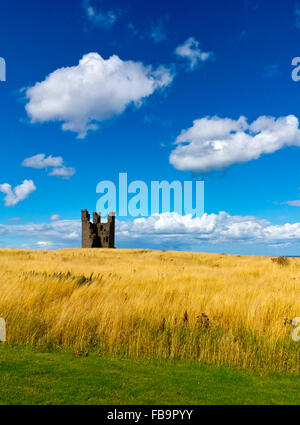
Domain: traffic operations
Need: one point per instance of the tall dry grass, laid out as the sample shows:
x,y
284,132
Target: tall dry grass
x,y
218,309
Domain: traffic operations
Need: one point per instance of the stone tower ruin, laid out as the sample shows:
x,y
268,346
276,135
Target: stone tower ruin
x,y
97,234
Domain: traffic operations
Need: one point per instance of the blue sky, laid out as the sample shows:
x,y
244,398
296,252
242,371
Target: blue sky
x,y
208,59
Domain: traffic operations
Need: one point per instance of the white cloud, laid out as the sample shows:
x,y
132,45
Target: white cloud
x,y
293,203
41,161
168,231
209,226
98,16
214,143
65,172
55,217
58,233
93,91
184,232
190,51
73,236
44,244
18,194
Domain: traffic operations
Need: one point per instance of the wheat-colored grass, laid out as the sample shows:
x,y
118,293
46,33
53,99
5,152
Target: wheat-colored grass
x,y
150,304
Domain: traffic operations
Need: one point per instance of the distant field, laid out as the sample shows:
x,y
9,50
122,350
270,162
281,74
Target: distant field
x,y
148,305
28,376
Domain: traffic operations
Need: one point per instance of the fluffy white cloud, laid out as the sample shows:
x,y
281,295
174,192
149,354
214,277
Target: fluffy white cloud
x,y
98,16
190,51
18,194
93,91
44,244
41,161
55,217
73,236
213,227
211,232
65,172
56,234
214,143
169,231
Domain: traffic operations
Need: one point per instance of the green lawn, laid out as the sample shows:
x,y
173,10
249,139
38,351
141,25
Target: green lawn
x,y
34,377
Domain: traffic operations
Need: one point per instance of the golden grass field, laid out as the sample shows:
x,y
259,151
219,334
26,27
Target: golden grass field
x,y
149,304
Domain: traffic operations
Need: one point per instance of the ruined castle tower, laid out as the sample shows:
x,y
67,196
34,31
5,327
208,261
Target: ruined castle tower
x,y
97,234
